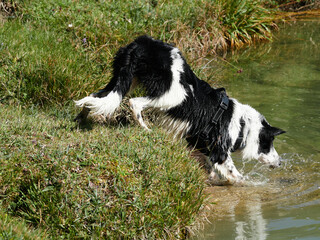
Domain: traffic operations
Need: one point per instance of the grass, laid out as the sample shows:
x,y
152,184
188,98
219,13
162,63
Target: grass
x,y
78,183
100,181
16,229
245,21
55,51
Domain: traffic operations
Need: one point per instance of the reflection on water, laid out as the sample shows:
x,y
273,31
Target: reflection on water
x,y
255,225
282,81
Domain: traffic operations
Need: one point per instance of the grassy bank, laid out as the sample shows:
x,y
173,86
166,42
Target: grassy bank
x,y
100,181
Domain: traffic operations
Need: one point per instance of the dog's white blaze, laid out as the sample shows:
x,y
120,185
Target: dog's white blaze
x,y
272,158
176,93
101,106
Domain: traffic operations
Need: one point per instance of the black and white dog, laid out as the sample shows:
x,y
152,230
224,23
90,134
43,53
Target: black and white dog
x,y
209,120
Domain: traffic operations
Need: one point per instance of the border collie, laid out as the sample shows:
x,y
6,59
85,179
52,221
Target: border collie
x,y
207,118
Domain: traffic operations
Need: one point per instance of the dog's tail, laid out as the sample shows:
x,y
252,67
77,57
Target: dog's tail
x,y
107,100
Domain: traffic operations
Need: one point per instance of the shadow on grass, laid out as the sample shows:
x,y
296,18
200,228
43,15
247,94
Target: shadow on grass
x,y
87,123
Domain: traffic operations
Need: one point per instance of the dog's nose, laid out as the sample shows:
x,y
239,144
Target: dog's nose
x,y
275,165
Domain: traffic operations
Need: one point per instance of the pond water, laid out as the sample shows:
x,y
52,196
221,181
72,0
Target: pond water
x,y
282,81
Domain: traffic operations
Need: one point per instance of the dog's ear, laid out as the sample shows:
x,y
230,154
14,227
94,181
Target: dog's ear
x,y
276,131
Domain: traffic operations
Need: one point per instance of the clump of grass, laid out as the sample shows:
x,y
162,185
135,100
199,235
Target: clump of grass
x,y
87,184
245,21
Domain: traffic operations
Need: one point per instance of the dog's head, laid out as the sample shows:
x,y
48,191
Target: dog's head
x,y
266,151
259,141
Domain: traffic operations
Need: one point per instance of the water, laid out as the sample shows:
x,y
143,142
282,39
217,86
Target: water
x,y
282,81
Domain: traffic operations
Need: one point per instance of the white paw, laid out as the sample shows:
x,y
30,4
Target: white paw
x,y
213,176
233,176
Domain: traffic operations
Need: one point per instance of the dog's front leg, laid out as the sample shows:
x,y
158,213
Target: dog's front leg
x,y
229,171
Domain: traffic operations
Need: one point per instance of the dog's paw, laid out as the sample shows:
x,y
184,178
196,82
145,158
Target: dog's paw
x,y
213,177
234,177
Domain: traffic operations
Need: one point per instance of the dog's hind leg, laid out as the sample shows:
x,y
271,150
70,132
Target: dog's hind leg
x,y
173,97
137,105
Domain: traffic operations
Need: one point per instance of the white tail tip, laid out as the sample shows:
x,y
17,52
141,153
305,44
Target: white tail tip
x,y
101,106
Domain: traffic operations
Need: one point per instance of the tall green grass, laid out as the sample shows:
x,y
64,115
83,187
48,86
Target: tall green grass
x,y
245,21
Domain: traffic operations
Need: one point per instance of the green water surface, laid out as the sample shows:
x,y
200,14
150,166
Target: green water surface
x,y
282,81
